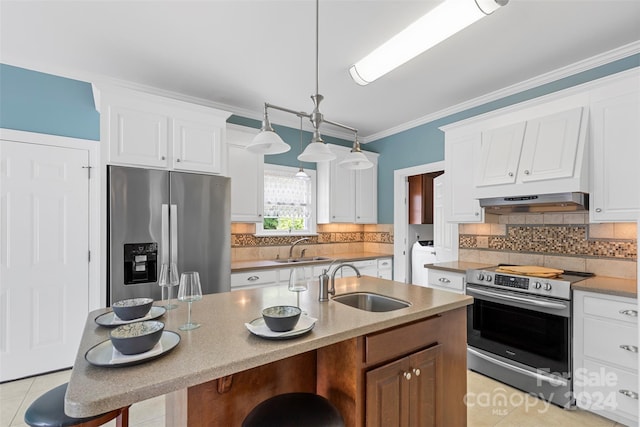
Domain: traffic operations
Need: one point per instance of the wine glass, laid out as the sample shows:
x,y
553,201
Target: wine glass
x,y
189,291
168,279
298,283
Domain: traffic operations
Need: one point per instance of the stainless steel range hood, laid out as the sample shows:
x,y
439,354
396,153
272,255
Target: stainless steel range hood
x,y
557,202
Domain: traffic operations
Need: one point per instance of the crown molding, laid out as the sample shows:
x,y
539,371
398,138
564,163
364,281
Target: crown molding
x,y
560,73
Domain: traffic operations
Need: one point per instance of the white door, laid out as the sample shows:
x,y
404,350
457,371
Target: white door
x,y
44,267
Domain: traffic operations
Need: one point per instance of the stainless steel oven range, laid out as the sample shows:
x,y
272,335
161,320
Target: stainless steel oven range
x,y
519,331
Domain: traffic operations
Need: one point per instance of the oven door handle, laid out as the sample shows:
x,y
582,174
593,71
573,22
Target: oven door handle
x,y
553,380
538,303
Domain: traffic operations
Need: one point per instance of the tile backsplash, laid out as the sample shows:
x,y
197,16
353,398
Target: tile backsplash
x,y
331,239
564,241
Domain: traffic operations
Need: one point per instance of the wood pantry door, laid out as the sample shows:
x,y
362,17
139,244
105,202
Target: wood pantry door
x,y
44,266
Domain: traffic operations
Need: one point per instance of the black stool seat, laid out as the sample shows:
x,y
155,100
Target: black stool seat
x,y
48,411
294,410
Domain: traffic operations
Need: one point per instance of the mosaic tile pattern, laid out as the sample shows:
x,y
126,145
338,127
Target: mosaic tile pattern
x,y
242,240
569,240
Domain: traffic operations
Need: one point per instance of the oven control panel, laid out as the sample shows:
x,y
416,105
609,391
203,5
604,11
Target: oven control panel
x,y
512,282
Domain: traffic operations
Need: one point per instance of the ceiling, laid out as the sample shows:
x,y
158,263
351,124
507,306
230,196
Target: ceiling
x,y
241,53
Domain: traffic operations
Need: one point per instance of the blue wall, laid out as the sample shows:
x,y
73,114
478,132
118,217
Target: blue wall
x,y
425,143
43,103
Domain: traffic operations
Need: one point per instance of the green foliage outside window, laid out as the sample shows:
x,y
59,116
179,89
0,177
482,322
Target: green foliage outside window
x,y
283,224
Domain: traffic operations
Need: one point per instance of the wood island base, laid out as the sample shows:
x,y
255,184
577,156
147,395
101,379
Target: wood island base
x,y
412,374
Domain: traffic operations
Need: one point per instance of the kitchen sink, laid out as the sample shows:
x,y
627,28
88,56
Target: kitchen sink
x,y
305,259
371,302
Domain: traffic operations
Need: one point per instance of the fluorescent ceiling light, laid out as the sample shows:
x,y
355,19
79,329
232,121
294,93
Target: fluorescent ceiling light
x,y
439,24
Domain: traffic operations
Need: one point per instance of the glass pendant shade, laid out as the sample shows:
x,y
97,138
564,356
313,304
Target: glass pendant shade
x,y
316,152
268,142
355,160
301,174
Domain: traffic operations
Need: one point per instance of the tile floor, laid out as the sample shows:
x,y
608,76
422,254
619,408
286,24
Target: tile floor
x,y
517,410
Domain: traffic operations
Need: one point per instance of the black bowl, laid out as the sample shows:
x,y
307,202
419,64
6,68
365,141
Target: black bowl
x,y
137,337
131,309
281,318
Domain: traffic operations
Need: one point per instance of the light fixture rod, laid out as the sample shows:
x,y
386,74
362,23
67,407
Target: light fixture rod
x,y
308,116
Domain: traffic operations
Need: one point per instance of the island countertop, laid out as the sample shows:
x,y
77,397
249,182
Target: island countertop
x,y
223,346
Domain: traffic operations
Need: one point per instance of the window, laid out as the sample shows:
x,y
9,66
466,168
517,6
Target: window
x,y
289,206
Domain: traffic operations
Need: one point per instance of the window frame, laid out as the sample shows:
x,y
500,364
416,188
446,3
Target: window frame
x,y
312,229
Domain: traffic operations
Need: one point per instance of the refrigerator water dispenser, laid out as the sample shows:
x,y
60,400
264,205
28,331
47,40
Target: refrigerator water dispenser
x,y
140,263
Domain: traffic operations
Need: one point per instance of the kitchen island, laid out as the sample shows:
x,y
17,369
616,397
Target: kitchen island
x,y
220,371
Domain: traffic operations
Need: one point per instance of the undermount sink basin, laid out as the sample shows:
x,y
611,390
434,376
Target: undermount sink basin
x,y
371,302
306,259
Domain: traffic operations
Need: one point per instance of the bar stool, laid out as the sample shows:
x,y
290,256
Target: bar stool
x,y
48,411
294,410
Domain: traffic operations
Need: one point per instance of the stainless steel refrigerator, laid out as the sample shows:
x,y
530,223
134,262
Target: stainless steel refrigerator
x,y
160,217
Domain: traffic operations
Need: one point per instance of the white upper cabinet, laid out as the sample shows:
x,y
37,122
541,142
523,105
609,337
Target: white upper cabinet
x,y
460,152
615,139
141,129
197,144
536,156
500,155
366,184
246,170
345,195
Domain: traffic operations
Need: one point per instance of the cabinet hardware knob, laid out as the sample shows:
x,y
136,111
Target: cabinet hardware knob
x,y
630,313
444,280
631,348
629,393
598,210
510,173
416,371
407,375
163,158
526,172
178,160
253,278
477,213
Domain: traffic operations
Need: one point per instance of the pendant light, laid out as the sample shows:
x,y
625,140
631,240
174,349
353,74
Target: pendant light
x,y
356,159
316,150
301,174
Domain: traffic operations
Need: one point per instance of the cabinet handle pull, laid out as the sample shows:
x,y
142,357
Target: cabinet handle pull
x,y
598,210
631,348
416,371
253,278
510,173
444,280
630,313
407,375
629,393
526,172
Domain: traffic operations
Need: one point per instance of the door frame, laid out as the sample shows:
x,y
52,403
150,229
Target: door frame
x,y
401,247
97,295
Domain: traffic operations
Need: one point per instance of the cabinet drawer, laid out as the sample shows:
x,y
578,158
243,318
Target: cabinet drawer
x,y
450,281
604,340
384,263
603,388
391,343
256,277
612,309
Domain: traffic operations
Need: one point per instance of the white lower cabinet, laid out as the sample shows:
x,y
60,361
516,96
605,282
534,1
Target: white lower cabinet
x,y
253,279
447,280
385,268
605,355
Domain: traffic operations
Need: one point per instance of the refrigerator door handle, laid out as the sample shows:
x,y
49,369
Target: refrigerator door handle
x,y
164,243
174,233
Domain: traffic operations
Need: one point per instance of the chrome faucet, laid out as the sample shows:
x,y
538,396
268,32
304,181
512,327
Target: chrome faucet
x,y
294,244
324,280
